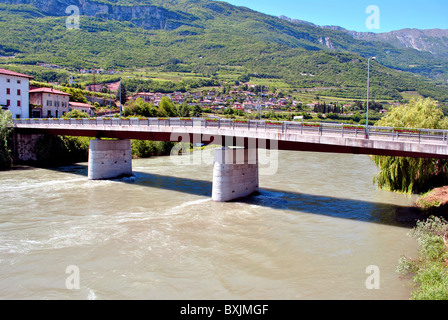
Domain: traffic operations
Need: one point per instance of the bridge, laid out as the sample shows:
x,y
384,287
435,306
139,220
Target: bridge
x,y
236,162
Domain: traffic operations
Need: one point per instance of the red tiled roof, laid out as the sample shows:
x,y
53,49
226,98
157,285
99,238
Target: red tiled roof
x,y
49,90
15,74
80,104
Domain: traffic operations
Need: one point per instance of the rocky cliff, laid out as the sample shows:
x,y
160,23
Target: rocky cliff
x,y
146,16
434,41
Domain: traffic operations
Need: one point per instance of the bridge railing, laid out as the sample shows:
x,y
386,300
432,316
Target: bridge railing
x,y
327,129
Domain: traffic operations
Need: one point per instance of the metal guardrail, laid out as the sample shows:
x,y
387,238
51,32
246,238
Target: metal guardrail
x,y
323,129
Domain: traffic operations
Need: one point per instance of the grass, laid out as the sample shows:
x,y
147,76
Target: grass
x,y
425,204
407,95
428,204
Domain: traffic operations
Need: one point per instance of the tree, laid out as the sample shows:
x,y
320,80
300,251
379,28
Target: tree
x,y
127,111
412,175
166,108
122,93
197,111
76,95
5,135
140,107
183,110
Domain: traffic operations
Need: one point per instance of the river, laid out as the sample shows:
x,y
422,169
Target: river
x,y
312,232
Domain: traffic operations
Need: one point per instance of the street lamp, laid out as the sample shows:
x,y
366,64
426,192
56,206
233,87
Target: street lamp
x,y
119,97
367,106
261,91
261,104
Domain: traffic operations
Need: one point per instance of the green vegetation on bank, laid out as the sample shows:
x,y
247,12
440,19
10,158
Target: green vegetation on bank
x,y
147,148
54,151
61,150
5,139
429,270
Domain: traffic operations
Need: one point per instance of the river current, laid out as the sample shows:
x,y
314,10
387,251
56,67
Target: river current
x,y
313,232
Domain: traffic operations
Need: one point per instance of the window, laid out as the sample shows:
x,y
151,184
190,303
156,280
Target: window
x,y
17,116
8,91
49,103
8,103
18,92
19,103
8,80
18,81
48,113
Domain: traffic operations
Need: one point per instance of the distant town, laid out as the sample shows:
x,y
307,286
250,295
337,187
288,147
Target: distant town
x,y
24,99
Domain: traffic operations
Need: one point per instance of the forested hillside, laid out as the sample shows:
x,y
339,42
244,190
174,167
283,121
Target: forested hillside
x,y
206,37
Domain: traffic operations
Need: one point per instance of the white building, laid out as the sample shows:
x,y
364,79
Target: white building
x,y
14,93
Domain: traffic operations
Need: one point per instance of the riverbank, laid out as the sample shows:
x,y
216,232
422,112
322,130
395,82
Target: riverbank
x,y
434,200
429,269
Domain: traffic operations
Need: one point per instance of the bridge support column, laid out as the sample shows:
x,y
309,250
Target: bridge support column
x,y
109,159
235,173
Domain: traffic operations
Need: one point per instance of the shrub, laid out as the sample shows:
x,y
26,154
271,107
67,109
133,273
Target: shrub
x,y
5,137
146,148
61,150
75,114
430,271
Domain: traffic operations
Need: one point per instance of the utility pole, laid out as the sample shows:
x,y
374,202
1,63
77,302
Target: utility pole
x,y
367,106
119,96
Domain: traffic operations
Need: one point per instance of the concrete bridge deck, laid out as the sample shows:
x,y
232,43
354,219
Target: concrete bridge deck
x,y
299,136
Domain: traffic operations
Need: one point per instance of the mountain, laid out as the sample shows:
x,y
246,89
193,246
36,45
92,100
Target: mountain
x,y
418,51
212,39
429,50
434,41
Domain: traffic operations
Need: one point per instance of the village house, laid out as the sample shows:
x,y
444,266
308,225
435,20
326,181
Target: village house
x,y
218,101
146,96
14,93
206,102
82,107
249,105
48,102
178,98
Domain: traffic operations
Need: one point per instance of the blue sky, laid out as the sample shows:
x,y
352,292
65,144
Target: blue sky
x,y
388,15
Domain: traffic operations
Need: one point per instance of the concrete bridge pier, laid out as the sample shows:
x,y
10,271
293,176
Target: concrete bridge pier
x,y
235,173
109,159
